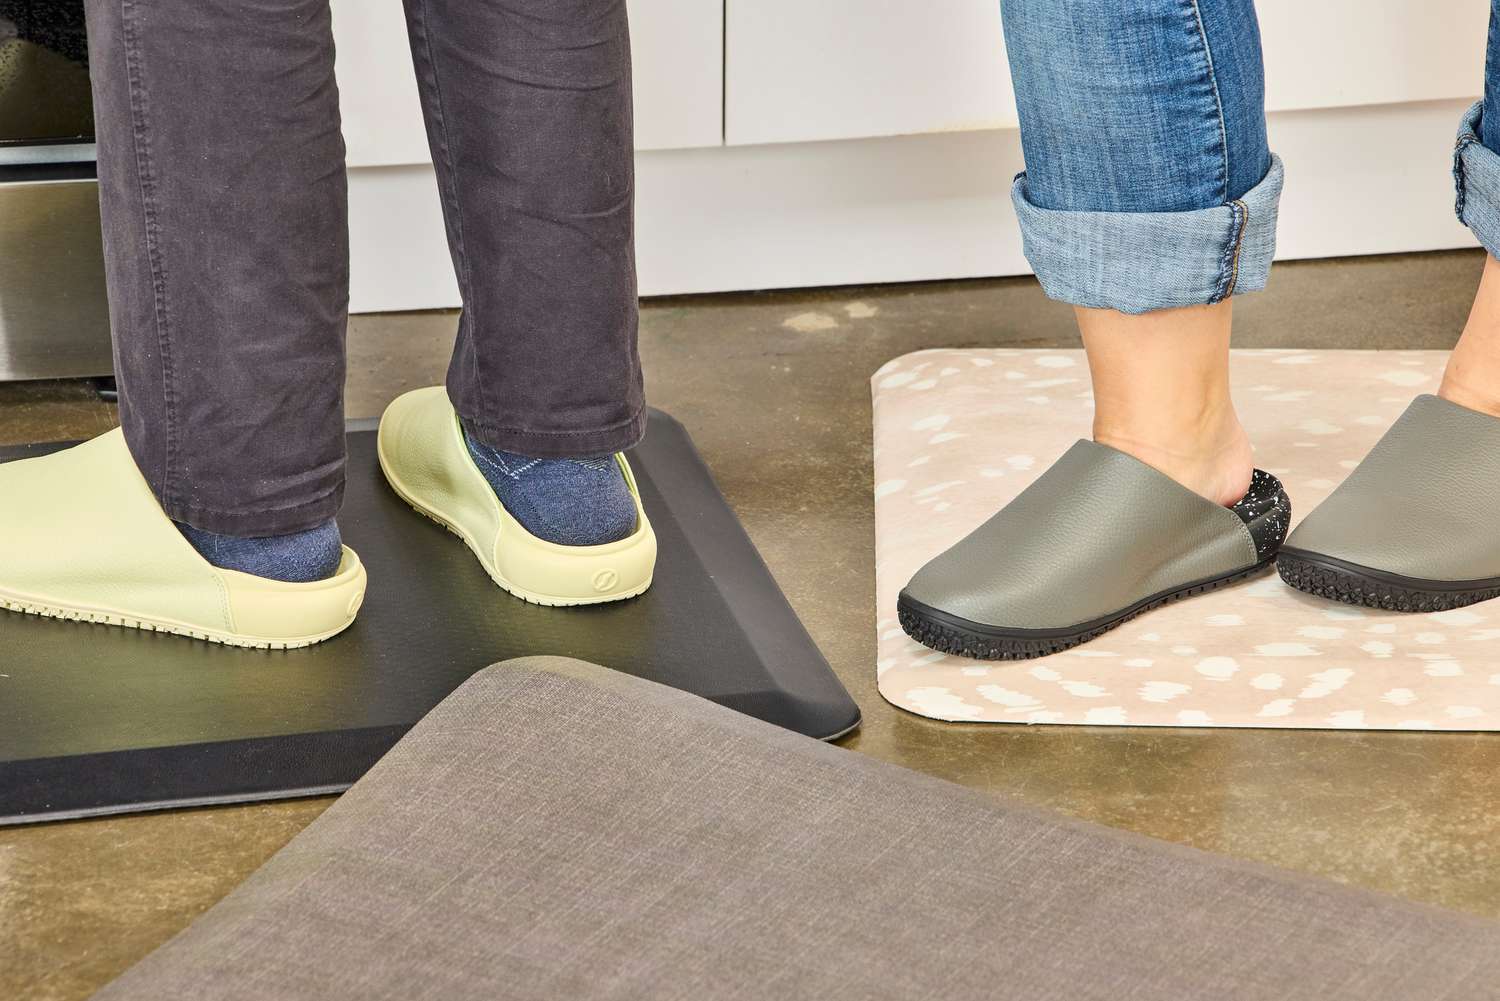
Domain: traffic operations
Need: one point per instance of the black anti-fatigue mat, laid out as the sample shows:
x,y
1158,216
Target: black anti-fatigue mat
x,y
96,719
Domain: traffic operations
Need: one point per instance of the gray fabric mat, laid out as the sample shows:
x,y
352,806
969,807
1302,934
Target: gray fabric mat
x,y
556,830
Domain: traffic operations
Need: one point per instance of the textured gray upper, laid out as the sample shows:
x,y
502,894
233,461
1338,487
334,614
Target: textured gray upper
x,y
1093,535
1422,503
554,830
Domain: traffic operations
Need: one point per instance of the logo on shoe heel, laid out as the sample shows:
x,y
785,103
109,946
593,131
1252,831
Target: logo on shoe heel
x,y
605,580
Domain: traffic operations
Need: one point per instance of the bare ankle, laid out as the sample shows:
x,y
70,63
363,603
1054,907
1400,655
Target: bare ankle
x,y
1161,394
1472,378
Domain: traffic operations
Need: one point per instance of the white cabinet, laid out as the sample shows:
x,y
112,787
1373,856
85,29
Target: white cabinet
x,y
678,47
739,186
840,69
677,51
1345,53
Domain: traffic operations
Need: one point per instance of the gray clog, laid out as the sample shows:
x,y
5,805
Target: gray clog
x,y
1413,528
1096,540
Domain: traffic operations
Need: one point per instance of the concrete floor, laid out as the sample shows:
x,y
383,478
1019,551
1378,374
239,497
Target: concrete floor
x,y
1411,814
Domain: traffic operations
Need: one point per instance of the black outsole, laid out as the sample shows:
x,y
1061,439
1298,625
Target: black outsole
x,y
954,635
1351,584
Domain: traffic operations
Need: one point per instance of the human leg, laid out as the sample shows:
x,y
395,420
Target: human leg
x,y
1411,527
209,513
1149,199
222,190
1472,378
528,111
1161,394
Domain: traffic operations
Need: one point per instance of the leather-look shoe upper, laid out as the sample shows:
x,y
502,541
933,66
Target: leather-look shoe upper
x,y
1421,504
1095,534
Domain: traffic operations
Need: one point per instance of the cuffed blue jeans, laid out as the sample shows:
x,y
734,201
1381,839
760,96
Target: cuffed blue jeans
x,y
1149,183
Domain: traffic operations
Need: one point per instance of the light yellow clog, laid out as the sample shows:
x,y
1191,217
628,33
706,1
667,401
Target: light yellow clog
x,y
82,537
427,462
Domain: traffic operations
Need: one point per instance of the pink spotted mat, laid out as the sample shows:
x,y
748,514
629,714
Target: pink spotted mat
x,y
958,433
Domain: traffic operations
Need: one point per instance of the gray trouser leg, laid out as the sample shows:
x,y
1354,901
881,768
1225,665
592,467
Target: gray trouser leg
x,y
223,196
529,120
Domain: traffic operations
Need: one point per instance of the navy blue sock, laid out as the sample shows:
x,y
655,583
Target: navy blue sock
x,y
572,502
299,558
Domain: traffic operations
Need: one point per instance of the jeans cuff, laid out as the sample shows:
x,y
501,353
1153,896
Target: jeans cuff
x,y
1135,262
1476,182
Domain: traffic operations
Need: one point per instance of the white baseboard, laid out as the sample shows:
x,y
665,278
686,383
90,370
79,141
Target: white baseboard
x,y
1359,181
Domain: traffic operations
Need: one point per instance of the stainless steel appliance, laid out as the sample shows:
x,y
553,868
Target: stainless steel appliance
x,y
53,317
